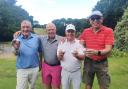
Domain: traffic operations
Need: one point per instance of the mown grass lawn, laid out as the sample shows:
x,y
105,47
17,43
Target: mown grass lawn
x,y
118,68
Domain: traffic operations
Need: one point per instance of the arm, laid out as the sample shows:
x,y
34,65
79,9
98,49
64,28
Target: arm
x,y
40,62
60,52
16,45
16,34
79,56
105,51
80,52
40,50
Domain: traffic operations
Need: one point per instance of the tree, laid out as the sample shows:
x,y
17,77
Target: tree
x,y
112,10
10,18
80,24
121,33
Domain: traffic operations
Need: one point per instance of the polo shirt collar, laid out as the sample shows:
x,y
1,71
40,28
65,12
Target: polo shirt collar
x,y
72,41
101,29
30,36
55,39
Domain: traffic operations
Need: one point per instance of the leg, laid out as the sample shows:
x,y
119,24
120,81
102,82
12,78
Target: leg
x,y
89,79
22,79
76,79
102,75
46,77
65,79
47,82
56,77
33,75
88,73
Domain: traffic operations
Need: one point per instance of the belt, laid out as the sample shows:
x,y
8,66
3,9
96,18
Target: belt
x,y
52,64
96,61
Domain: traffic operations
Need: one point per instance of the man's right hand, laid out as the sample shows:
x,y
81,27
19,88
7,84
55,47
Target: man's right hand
x,y
61,54
16,44
16,34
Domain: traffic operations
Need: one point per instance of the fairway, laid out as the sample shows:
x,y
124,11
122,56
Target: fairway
x,y
118,68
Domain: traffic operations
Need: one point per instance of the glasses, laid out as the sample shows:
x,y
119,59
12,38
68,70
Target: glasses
x,y
95,18
70,31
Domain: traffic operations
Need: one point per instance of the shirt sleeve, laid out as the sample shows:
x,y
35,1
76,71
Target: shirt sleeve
x,y
81,49
110,38
60,47
82,36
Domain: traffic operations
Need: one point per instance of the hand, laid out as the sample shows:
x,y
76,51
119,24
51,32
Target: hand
x,y
82,42
16,44
75,53
61,54
63,39
16,34
90,52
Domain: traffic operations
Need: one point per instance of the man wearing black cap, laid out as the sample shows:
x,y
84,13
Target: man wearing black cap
x,y
99,41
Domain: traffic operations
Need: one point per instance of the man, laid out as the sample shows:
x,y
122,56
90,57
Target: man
x,y
70,53
99,41
28,50
51,69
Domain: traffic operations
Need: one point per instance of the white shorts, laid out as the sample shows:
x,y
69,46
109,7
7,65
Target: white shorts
x,y
27,77
67,77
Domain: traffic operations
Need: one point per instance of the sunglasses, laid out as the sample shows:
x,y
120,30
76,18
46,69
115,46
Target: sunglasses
x,y
70,31
95,17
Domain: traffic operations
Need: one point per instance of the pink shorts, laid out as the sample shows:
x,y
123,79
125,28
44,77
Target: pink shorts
x,y
51,75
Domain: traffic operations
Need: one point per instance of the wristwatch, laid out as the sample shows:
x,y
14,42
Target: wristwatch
x,y
99,53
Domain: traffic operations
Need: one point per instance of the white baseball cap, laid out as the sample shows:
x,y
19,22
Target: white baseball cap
x,y
96,12
70,27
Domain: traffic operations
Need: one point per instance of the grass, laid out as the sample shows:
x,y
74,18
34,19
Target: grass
x,y
118,68
40,31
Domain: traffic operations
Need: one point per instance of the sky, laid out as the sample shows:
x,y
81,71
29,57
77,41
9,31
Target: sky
x,y
46,11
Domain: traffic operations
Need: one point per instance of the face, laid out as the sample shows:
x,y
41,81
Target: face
x,y
51,30
70,34
26,28
96,21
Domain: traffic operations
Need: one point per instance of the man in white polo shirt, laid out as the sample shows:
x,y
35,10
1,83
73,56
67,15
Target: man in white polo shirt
x,y
70,53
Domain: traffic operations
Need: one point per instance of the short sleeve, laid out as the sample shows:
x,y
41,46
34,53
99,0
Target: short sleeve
x,y
109,38
81,49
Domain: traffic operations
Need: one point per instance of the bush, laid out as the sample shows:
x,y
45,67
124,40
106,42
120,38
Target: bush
x,y
118,53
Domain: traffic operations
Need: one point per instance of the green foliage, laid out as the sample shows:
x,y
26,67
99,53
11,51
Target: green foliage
x,y
10,18
61,24
121,33
118,53
112,10
40,31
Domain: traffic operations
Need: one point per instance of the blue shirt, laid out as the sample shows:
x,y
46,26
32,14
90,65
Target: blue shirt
x,y
28,56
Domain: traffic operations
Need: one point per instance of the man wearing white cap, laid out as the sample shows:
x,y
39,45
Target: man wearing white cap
x,y
70,53
99,41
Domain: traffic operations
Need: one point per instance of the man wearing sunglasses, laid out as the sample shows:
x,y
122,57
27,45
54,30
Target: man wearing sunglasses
x,y
99,41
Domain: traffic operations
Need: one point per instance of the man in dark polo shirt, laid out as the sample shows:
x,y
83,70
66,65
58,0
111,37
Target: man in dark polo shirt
x,y
99,41
51,69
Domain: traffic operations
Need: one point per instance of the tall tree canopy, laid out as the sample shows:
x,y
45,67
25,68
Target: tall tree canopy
x,y
112,10
121,33
10,18
61,24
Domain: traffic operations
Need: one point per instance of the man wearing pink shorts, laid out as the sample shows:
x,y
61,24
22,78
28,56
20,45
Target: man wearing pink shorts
x,y
51,69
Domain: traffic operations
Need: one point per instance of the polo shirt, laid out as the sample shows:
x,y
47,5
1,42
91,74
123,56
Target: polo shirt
x,y
98,40
49,48
69,62
28,51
